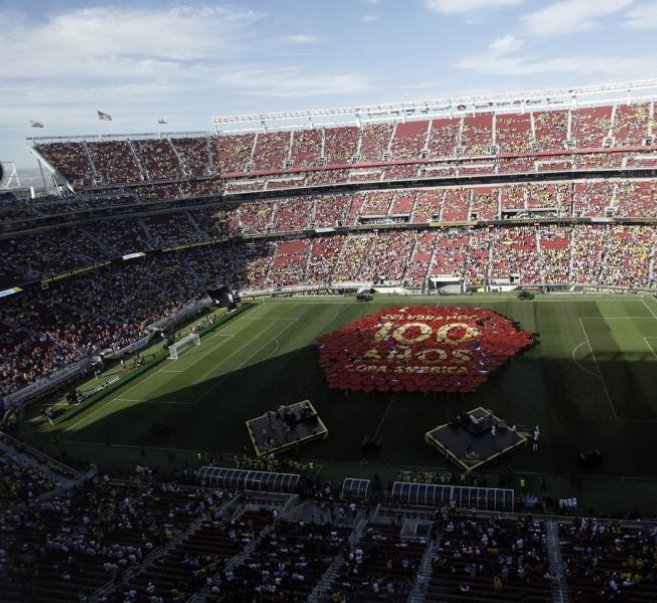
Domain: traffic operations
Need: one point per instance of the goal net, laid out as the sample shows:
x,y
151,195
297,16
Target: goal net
x,y
177,348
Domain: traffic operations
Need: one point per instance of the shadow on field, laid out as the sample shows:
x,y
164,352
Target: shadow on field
x,y
576,409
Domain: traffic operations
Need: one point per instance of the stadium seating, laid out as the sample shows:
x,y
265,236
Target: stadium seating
x,y
513,133
306,148
71,159
194,155
375,141
271,151
381,566
409,140
551,130
158,159
477,134
443,138
591,126
233,152
115,162
341,144
494,559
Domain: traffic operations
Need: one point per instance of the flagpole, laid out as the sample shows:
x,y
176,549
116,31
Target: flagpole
x,y
98,120
159,130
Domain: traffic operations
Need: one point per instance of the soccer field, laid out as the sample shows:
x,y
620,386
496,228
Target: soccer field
x,y
590,383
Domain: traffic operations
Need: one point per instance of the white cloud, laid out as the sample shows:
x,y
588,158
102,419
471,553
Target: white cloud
x,y
121,42
454,7
502,58
291,81
570,16
369,18
303,39
642,17
126,60
505,44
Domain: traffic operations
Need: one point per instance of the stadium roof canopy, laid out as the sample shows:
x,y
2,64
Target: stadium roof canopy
x,y
443,108
513,102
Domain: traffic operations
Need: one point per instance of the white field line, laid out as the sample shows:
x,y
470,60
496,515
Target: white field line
x,y
275,340
103,405
604,384
643,299
266,318
617,318
597,367
578,364
241,364
650,345
224,336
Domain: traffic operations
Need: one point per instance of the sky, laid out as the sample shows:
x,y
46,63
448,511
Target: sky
x,y
61,61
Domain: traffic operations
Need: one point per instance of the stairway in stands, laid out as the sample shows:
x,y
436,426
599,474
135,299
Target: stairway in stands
x,y
559,586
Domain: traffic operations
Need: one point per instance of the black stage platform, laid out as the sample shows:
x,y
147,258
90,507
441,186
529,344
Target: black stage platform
x,y
469,440
286,427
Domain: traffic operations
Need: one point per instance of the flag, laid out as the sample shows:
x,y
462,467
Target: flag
x,y
161,120
35,124
104,116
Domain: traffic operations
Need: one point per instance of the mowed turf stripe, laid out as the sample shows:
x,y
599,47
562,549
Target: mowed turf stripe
x,y
103,407
625,364
255,339
174,372
544,386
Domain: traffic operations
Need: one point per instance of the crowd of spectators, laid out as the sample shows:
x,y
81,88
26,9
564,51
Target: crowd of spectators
x,y
66,544
591,126
194,154
114,161
287,563
233,153
551,129
608,560
513,132
491,559
382,566
477,134
409,140
158,159
21,483
443,137
341,144
271,151
306,148
375,141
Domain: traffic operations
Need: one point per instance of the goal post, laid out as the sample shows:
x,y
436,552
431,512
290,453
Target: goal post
x,y
178,347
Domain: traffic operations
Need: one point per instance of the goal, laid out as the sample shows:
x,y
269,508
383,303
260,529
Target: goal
x,y
177,348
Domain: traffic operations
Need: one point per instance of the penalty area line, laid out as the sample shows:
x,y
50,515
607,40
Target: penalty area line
x,y
241,364
599,375
579,366
645,303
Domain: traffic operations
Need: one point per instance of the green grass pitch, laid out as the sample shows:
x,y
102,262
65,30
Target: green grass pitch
x,y
590,383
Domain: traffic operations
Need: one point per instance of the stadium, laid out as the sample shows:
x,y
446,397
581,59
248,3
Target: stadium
x,y
400,352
